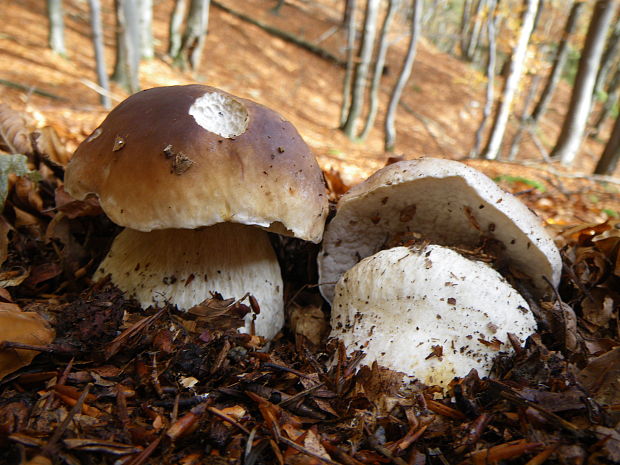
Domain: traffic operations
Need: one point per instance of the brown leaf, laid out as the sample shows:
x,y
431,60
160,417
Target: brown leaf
x,y
602,377
72,208
14,131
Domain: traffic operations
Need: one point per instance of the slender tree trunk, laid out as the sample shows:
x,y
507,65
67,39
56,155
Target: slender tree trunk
x,y
474,36
56,30
524,119
362,66
491,151
574,124
492,54
126,68
612,98
611,155
378,71
390,116
195,34
350,10
609,57
102,74
558,62
145,8
465,26
174,30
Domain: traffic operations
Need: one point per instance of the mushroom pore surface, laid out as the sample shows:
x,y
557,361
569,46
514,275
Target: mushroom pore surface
x,y
429,313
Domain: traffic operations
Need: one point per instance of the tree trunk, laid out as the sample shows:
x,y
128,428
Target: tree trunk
x,y
361,68
126,68
56,31
190,53
145,9
558,62
488,104
276,9
611,155
378,71
390,130
174,30
474,36
350,10
581,97
491,151
612,98
465,26
102,75
609,57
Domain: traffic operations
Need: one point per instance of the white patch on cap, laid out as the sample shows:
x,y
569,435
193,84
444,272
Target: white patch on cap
x,y
220,114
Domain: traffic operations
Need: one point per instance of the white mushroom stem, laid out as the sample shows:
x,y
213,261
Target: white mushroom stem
x,y
430,313
183,267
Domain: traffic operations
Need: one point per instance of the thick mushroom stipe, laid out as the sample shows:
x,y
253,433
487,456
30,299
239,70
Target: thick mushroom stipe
x,y
429,313
183,267
446,203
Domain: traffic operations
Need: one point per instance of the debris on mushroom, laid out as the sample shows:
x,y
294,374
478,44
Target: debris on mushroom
x,y
428,312
23,327
444,202
198,176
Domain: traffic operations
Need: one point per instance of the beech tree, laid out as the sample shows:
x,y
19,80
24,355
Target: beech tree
x,y
361,68
576,117
126,67
515,70
351,30
194,36
390,115
611,155
97,37
175,36
609,57
147,50
56,29
613,90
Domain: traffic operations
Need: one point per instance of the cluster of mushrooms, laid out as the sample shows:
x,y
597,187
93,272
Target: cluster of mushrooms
x,y
199,188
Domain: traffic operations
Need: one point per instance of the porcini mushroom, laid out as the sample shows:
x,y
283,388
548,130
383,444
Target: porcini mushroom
x,y
197,176
444,202
428,312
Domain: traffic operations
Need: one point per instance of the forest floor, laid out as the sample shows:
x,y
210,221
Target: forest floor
x,y
440,113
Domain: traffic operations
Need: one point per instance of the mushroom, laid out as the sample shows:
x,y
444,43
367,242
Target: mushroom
x,y
444,202
428,312
23,327
197,177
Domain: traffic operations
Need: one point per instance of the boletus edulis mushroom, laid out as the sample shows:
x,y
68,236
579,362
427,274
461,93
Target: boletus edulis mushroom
x,y
198,177
401,263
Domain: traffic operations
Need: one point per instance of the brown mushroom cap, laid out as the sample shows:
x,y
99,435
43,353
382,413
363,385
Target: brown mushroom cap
x,y
193,156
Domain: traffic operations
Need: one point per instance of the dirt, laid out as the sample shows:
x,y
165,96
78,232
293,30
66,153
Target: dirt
x,y
440,113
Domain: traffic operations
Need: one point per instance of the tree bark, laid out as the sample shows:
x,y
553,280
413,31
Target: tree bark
x,y
126,68
465,26
474,36
492,55
378,71
491,151
56,30
609,57
350,16
174,30
611,155
558,62
362,66
102,74
190,53
390,130
145,8
612,98
574,124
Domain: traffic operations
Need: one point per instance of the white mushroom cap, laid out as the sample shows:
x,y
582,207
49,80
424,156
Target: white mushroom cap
x,y
183,267
445,201
398,305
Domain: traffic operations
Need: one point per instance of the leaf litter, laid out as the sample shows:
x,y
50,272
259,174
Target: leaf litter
x,y
121,385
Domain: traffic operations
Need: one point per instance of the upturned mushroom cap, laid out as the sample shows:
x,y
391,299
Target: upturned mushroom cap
x,y
429,313
25,327
192,156
447,203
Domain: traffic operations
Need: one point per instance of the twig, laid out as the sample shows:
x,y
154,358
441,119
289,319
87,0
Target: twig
x,y
228,419
32,89
100,90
